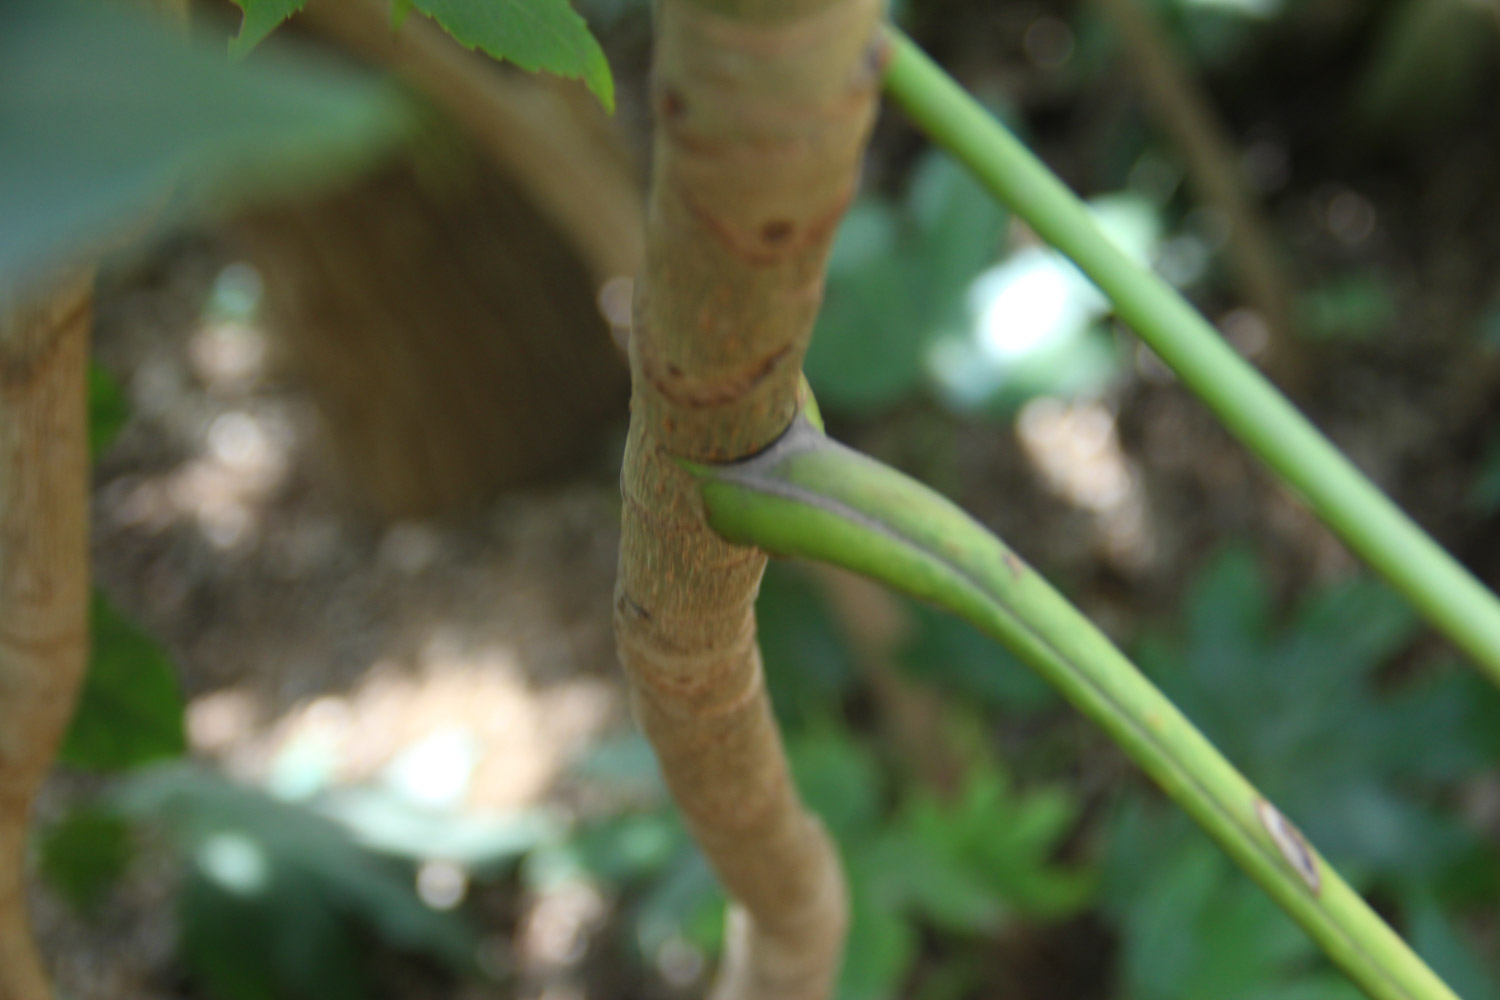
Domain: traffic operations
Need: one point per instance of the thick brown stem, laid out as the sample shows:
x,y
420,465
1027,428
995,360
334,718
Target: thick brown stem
x,y
762,111
43,578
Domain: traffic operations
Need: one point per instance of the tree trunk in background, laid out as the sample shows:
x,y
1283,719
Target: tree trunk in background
x,y
762,111
43,577
443,310
449,335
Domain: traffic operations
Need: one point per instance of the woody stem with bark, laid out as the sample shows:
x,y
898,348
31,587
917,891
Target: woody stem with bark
x,y
43,577
762,111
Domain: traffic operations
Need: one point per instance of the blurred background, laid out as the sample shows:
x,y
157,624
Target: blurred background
x,y
354,726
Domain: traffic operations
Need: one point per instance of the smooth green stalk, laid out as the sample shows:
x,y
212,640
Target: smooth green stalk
x,y
810,497
1442,590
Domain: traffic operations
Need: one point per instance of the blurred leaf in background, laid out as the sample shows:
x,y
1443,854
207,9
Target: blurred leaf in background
x,y
278,899
130,711
1359,766
107,409
1036,325
1356,307
967,866
968,665
809,668
896,279
1427,65
108,116
85,853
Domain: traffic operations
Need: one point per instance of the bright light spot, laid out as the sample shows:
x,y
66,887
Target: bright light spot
x,y
442,884
309,760
1075,449
435,772
1026,302
237,292
556,931
615,300
218,720
1033,302
1260,9
615,297
228,356
244,445
235,862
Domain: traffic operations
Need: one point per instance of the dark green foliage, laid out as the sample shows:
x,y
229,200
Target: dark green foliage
x,y
967,866
896,279
1357,307
1359,770
1428,63
107,409
956,657
808,666
130,710
278,899
84,853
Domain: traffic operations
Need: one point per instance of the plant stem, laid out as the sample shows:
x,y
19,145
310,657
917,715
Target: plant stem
x,y
44,574
1443,591
1181,108
808,496
762,111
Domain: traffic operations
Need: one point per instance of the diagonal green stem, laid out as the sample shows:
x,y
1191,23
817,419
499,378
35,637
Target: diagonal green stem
x,y
1442,590
808,496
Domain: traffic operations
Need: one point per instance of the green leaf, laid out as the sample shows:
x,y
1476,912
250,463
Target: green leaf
x,y
1004,841
85,853
534,34
104,113
108,410
130,712
909,872
839,780
808,666
261,18
896,279
881,948
949,652
1193,926
281,884
1438,939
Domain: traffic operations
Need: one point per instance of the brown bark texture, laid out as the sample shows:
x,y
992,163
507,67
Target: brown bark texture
x,y
547,134
448,333
43,577
762,111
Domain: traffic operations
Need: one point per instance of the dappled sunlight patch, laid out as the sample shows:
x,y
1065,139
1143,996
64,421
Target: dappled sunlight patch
x,y
1075,449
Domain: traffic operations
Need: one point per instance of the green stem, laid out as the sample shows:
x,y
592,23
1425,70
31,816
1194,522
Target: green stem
x,y
1443,591
810,497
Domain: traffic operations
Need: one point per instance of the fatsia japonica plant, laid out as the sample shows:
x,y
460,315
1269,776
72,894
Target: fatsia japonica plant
x,y
762,110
